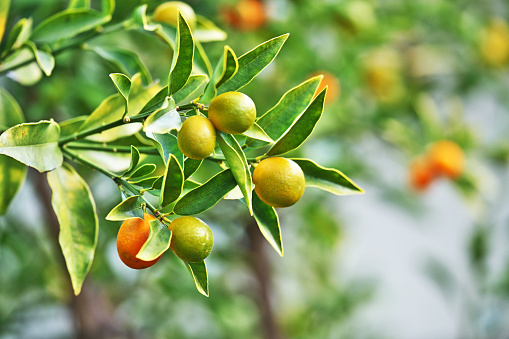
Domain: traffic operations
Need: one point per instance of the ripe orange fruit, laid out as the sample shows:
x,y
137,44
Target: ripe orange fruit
x,y
131,236
421,173
334,86
232,112
191,239
197,137
447,158
279,182
167,13
246,15
494,43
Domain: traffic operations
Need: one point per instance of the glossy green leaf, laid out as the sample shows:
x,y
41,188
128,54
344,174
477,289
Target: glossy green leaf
x,y
301,128
328,179
158,241
79,4
146,183
140,95
193,83
207,31
129,208
135,158
198,271
124,60
17,58
67,24
4,11
70,126
143,171
10,112
268,222
76,213
166,144
122,83
173,182
252,63
44,58
156,102
18,34
108,7
225,69
256,132
12,175
201,60
191,166
34,144
238,164
207,195
109,110
182,63
164,119
27,75
280,117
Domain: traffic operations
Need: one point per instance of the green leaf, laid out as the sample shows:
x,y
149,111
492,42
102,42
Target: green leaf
x,y
191,166
301,128
328,179
34,144
164,119
238,164
18,35
193,83
70,126
173,182
225,69
147,183
135,158
140,95
182,63
167,144
10,112
44,58
4,11
280,117
75,210
156,102
207,195
201,59
12,175
26,75
124,60
108,7
207,31
122,83
79,4
256,132
129,208
198,271
143,171
252,63
157,243
268,222
67,24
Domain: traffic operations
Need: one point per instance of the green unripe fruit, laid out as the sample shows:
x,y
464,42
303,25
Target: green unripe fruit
x,y
197,137
232,112
167,12
191,239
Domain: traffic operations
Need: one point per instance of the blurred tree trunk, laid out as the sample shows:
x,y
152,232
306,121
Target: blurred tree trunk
x,y
260,266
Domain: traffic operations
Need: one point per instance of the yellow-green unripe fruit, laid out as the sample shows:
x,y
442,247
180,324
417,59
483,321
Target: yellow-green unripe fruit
x,y
232,112
197,137
191,239
279,182
167,13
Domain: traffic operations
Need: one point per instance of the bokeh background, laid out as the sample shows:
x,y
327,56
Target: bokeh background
x,y
396,262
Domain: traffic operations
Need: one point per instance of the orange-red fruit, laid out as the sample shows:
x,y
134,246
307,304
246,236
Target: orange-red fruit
x,y
421,173
246,15
333,85
447,158
131,236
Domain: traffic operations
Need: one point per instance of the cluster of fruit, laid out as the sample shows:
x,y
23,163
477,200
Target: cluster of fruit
x,y
444,158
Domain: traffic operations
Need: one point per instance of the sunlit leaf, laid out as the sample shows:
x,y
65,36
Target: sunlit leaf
x,y
34,144
157,243
124,60
225,69
182,63
198,271
143,171
18,34
12,175
268,222
163,119
75,210
4,11
193,83
201,59
122,83
172,183
328,179
207,31
129,208
10,112
135,158
79,4
167,144
256,132
207,195
191,166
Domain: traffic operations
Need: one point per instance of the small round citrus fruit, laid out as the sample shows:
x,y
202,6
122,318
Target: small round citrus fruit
x,y
232,112
421,173
197,137
131,236
191,239
447,158
333,85
494,43
167,12
279,182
